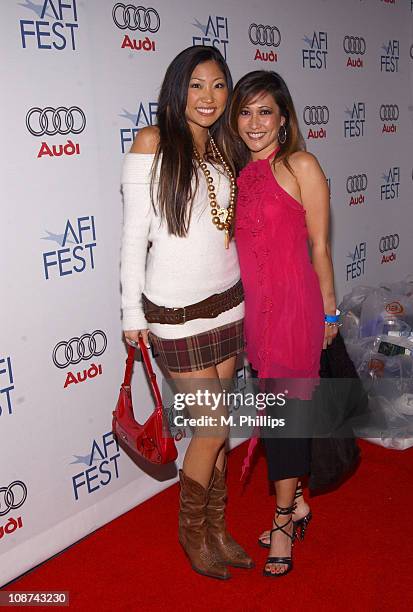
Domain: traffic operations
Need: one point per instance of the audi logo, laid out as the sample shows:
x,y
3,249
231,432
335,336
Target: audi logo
x,y
389,112
136,18
388,243
264,35
53,121
355,45
13,496
411,52
77,349
316,115
357,182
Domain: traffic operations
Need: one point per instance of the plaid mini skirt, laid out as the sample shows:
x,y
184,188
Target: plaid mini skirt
x,y
200,351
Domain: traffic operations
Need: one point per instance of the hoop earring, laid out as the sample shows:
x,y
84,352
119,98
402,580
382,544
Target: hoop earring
x,y
282,134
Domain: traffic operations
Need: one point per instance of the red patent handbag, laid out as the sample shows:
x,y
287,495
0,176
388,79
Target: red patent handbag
x,y
152,440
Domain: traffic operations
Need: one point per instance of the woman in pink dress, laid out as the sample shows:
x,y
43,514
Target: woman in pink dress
x,y
290,307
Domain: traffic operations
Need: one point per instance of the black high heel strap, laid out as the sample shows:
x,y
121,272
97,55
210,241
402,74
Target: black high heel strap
x,y
281,528
280,561
298,492
283,512
288,510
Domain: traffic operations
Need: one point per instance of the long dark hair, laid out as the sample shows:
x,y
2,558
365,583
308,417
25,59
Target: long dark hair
x,y
248,88
174,155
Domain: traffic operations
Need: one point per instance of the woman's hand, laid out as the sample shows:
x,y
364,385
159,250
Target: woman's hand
x,y
330,332
132,336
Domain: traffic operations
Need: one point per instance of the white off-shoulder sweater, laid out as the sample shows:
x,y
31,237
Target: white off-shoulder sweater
x,y
175,271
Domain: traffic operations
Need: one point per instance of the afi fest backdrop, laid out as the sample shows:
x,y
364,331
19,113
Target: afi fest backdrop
x,y
79,79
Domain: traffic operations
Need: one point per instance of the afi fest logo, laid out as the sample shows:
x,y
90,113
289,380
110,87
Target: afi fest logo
x,y
356,186
53,25
316,118
314,56
12,498
60,121
141,23
213,34
387,246
84,348
6,385
76,254
389,58
146,115
268,37
356,267
354,125
389,115
102,466
355,47
389,189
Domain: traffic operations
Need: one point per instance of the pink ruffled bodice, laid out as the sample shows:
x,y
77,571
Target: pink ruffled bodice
x,y
284,320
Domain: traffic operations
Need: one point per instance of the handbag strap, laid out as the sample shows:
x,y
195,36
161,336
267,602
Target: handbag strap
x,y
148,367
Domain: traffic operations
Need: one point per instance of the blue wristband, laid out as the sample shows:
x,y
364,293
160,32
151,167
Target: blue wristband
x,y
332,318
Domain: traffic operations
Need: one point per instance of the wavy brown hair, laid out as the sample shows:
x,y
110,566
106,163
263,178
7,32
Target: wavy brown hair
x,y
249,87
174,156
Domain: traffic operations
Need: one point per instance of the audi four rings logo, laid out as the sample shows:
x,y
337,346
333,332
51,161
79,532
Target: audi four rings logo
x,y
78,349
12,497
51,121
136,18
264,35
357,182
388,243
389,112
316,115
354,45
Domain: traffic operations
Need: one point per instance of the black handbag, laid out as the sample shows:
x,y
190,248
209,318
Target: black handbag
x,y
336,455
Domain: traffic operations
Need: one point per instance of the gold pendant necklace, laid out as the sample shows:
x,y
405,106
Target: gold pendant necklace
x,y
222,218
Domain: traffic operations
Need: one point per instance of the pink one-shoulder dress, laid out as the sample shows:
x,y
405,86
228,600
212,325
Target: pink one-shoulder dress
x,y
284,313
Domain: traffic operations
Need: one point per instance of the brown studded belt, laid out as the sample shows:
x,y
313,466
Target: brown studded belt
x,y
209,308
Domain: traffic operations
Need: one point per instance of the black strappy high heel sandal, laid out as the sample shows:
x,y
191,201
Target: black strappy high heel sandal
x,y
300,525
288,561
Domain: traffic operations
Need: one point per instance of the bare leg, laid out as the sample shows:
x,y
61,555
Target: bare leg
x,y
203,450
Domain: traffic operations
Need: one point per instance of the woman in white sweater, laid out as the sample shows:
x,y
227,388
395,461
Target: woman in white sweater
x,y
183,294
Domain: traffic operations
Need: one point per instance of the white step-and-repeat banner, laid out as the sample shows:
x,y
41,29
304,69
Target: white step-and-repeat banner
x,y
79,78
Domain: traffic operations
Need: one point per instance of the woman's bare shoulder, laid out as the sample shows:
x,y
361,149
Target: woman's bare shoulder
x,y
303,161
146,140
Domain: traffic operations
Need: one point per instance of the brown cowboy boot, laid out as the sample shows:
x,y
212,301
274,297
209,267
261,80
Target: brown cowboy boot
x,y
193,530
229,551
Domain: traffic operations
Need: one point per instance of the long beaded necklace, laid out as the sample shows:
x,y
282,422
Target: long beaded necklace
x,y
222,218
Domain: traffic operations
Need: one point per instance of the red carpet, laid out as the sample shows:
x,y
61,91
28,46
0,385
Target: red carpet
x,y
357,553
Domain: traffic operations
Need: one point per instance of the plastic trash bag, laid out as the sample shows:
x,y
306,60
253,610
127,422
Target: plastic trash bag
x,y
377,326
384,311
